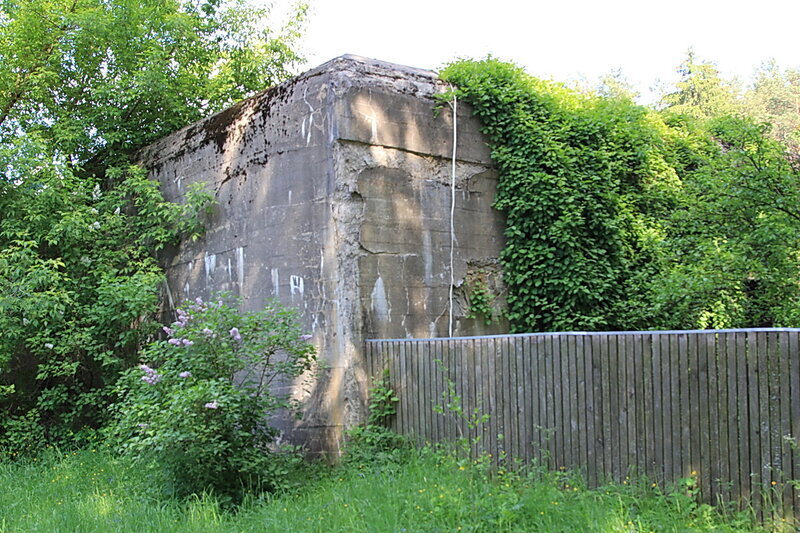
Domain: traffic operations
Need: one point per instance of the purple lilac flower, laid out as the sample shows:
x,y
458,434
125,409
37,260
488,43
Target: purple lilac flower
x,y
185,374
175,342
211,405
169,331
151,377
207,332
183,318
305,338
235,334
187,342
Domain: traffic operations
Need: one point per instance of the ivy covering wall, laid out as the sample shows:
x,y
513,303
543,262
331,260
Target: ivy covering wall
x,y
619,216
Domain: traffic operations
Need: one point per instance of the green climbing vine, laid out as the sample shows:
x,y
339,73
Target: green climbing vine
x,y
575,174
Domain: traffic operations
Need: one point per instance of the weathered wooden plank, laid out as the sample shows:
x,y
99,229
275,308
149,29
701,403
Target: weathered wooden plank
x,y
596,403
619,432
695,422
743,409
682,384
729,445
486,401
754,418
436,357
529,402
658,409
509,385
583,414
785,429
495,408
648,397
722,370
584,348
573,430
763,413
639,403
629,359
558,422
403,392
473,403
549,383
521,453
606,392
542,355
712,446
794,384
774,422
708,395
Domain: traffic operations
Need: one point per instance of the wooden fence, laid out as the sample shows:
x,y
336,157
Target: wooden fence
x,y
721,405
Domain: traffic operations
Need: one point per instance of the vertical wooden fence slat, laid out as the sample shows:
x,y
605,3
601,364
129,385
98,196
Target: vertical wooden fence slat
x,y
638,398
694,426
658,409
785,429
571,377
629,357
616,392
605,403
598,442
762,413
726,375
703,429
729,416
648,395
587,408
521,441
743,367
794,433
530,414
774,422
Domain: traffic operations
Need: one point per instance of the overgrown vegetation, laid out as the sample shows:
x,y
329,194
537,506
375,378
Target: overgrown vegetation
x,y
83,85
195,411
622,217
429,490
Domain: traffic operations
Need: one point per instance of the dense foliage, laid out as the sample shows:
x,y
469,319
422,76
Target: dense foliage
x,y
84,84
196,409
622,217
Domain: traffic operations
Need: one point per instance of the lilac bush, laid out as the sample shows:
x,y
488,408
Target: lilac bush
x,y
196,408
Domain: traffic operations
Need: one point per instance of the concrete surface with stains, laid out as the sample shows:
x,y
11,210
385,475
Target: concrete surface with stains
x,y
333,196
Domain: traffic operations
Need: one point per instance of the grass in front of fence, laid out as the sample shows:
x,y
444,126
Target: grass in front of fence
x,y
411,492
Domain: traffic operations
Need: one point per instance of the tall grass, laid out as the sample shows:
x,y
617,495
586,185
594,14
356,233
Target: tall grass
x,y
426,491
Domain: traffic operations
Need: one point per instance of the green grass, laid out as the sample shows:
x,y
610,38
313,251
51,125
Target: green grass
x,y
427,491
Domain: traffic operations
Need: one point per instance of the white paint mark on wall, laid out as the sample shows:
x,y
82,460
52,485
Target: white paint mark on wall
x,y
228,268
178,180
290,197
310,118
275,282
427,257
380,303
211,265
186,288
296,285
240,266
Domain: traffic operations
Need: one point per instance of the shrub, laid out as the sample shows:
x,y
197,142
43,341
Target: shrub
x,y
196,408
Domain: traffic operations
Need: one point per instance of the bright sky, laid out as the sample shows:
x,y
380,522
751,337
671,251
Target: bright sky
x,y
562,39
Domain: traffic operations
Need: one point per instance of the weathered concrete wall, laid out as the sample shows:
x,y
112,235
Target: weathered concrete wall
x,y
333,196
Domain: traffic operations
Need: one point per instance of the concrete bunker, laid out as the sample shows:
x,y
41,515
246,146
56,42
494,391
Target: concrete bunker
x,y
333,196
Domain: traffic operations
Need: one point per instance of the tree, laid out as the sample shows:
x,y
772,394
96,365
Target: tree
x,y
774,98
701,92
84,84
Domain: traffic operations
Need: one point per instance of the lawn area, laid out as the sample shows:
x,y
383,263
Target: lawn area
x,y
422,491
